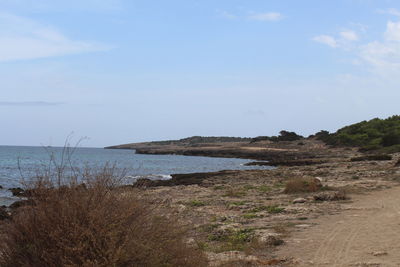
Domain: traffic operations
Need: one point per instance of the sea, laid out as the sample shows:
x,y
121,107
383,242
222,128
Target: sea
x,y
18,163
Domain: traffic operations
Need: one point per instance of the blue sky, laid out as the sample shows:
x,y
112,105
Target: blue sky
x,y
119,71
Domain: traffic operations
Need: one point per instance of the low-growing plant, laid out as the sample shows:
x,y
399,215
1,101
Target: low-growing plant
x,y
208,227
196,203
249,187
238,203
233,239
218,187
275,209
264,188
302,185
270,209
234,192
279,185
250,216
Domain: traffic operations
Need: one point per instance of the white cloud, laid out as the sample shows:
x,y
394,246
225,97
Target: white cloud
x,y
349,35
390,11
345,39
326,39
270,16
228,15
61,5
23,39
393,31
382,56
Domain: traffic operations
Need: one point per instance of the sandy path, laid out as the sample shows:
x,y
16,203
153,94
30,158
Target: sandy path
x,y
367,233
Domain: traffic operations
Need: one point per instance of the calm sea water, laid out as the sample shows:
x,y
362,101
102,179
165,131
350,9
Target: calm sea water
x,y
17,160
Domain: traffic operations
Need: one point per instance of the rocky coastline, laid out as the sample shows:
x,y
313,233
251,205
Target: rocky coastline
x,y
246,216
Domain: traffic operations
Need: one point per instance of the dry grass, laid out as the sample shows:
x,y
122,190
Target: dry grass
x,y
92,224
302,185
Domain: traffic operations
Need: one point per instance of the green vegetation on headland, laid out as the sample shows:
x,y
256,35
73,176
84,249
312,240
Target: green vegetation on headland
x,y
283,136
375,134
202,140
379,135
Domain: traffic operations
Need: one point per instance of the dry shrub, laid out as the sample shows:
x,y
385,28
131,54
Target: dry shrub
x,y
302,185
95,224
331,196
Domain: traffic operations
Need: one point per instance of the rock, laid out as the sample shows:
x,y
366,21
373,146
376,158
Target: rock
x,y
379,157
330,196
295,162
299,200
379,253
257,163
17,191
272,240
303,225
20,203
319,179
318,182
397,164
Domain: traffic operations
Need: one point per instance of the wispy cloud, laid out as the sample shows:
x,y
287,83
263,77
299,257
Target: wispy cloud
x,y
342,40
23,39
349,35
227,15
326,39
392,31
390,11
61,5
269,16
29,103
382,56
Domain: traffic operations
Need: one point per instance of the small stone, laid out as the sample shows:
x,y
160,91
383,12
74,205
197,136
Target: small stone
x,y
379,253
299,200
303,225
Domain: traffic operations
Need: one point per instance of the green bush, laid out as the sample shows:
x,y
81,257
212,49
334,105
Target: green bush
x,y
369,135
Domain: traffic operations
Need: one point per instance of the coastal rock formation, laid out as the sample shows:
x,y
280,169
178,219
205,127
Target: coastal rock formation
x,y
17,191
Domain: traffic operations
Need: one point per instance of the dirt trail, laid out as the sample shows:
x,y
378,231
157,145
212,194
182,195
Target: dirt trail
x,y
367,233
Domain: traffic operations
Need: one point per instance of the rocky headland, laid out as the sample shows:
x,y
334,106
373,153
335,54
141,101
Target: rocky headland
x,y
245,218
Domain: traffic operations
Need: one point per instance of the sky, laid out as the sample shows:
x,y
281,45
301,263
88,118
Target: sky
x,y
122,71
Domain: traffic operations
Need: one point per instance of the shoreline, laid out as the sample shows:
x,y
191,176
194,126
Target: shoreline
x,y
247,215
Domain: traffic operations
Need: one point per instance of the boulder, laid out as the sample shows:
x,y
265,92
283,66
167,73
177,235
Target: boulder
x,y
330,196
299,200
17,191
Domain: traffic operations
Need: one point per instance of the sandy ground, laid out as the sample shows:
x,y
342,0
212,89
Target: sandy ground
x,y
365,234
